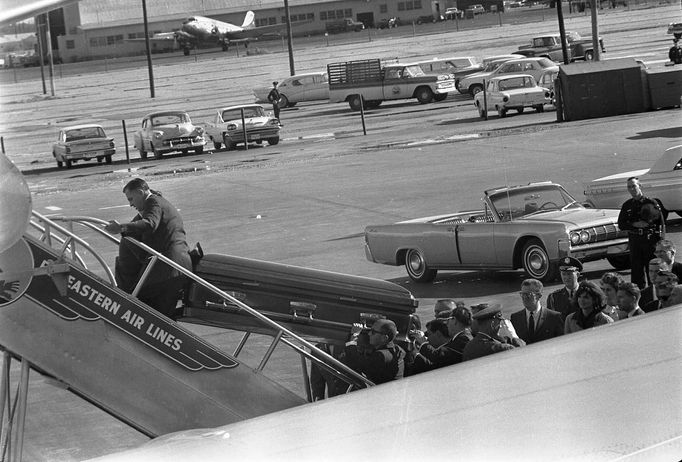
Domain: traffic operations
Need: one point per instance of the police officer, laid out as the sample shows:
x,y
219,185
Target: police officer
x,y
491,328
386,361
641,217
273,97
562,300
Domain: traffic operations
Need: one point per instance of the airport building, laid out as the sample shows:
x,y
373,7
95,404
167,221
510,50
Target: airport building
x,y
97,29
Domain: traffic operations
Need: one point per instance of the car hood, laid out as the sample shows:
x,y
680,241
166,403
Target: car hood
x,y
176,129
579,217
621,176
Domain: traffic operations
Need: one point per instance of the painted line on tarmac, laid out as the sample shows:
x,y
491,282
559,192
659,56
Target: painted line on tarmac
x,y
317,136
469,136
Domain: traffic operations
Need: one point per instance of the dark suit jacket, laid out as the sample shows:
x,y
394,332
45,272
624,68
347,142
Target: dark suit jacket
x,y
430,358
550,325
559,301
646,295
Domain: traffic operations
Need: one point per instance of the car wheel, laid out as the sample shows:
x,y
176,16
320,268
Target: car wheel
x,y
540,108
157,154
536,262
502,112
184,151
99,160
475,88
229,145
283,101
59,164
424,95
481,112
440,96
355,102
198,150
273,141
108,159
520,110
589,55
619,262
217,144
68,163
143,154
417,268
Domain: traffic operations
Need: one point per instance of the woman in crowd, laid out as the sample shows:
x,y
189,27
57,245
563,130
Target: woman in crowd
x,y
609,284
591,301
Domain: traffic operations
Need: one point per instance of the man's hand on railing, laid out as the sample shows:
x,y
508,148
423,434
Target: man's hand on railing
x,y
114,227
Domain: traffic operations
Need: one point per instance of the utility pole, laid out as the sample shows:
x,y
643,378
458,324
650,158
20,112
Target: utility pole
x,y
149,51
595,31
290,44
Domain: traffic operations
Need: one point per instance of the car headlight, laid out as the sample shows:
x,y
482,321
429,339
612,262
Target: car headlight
x,y
584,236
199,130
273,122
575,238
158,134
505,98
111,144
231,126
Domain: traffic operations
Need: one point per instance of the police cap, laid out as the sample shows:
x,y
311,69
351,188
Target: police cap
x,y
570,264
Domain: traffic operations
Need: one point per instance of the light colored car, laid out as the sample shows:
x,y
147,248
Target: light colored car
x,y
532,227
227,127
511,92
299,88
473,83
547,79
476,9
452,13
662,181
168,131
459,66
82,142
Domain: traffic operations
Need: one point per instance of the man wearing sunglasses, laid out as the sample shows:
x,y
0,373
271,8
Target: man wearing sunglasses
x,y
385,361
535,323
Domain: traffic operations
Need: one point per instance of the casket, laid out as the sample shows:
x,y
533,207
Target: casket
x,y
318,305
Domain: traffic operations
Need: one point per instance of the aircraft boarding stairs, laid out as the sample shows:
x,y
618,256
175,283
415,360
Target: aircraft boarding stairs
x,y
70,322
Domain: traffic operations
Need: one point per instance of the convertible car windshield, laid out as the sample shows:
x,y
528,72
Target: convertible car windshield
x,y
514,204
234,114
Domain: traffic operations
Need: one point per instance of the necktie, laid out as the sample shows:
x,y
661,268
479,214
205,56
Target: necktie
x,y
531,326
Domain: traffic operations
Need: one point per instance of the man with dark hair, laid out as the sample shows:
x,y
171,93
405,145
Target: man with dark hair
x,y
665,250
158,225
664,284
641,217
628,299
386,361
432,350
535,323
562,300
648,294
492,327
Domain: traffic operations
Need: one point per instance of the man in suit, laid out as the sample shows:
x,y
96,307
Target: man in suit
x,y
648,294
665,250
562,300
535,323
446,340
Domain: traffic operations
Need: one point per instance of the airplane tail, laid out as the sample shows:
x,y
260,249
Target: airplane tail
x,y
249,20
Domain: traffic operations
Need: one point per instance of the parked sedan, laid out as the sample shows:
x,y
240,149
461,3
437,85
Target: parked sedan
x,y
662,181
82,142
512,92
227,127
532,227
473,83
168,131
296,89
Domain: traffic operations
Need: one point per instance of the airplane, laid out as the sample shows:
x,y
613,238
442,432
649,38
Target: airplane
x,y
199,29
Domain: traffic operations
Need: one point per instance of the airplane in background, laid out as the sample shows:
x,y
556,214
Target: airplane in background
x,y
197,30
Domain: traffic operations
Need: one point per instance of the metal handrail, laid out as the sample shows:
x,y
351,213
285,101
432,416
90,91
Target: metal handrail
x,y
336,367
75,238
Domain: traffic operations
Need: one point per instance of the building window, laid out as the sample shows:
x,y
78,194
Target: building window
x,y
348,13
383,8
401,6
272,20
323,15
310,16
339,14
408,6
417,4
70,45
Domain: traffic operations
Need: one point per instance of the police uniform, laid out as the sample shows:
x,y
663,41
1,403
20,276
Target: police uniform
x,y
642,241
562,300
483,344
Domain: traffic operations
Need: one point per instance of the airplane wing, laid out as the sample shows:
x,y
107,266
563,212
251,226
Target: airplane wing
x,y
255,32
30,9
605,394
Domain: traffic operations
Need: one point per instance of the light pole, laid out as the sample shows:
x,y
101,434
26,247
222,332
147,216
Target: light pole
x,y
149,52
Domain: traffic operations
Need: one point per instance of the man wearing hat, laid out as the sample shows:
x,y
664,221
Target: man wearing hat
x,y
386,361
535,323
491,327
562,300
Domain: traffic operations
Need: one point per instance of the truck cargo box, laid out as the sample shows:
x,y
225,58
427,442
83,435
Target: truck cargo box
x,y
318,305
